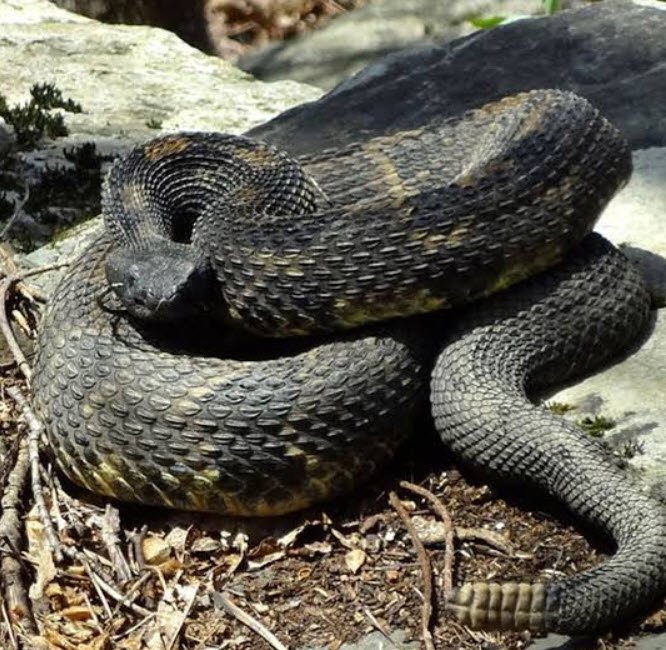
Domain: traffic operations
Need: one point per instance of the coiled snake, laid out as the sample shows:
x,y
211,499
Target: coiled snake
x,y
140,403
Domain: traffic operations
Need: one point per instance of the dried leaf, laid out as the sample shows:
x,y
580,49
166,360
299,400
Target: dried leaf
x,y
288,540
171,616
77,613
253,565
155,550
318,548
355,559
205,545
177,538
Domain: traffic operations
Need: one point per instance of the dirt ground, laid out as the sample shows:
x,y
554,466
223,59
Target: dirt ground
x,y
133,577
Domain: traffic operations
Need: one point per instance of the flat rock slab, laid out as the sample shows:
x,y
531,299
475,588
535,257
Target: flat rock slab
x,y
377,641
129,77
133,84
326,56
612,53
558,642
636,219
631,394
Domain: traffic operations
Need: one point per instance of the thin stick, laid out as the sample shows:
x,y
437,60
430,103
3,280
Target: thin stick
x,y
18,206
100,593
10,630
183,618
426,570
114,593
489,537
246,619
440,509
111,538
378,626
6,329
34,433
136,538
16,594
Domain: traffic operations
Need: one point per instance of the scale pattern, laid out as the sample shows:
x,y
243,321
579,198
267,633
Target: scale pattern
x,y
551,328
177,415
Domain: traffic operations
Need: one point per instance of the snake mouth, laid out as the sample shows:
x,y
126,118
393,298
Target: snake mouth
x,y
162,282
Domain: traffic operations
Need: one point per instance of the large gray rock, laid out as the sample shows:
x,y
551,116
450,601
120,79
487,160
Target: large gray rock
x,y
348,43
132,82
126,77
612,52
636,219
183,17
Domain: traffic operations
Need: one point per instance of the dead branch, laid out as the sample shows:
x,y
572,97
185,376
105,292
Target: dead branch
x,y
6,329
372,619
35,429
136,538
426,570
10,279
18,207
440,509
110,531
111,591
246,619
489,537
15,592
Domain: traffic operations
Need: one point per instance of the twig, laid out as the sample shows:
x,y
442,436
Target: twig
x,y
251,622
10,630
93,614
8,267
6,329
134,627
8,281
489,537
440,509
20,320
18,206
112,591
136,538
100,593
426,570
378,626
110,531
34,433
16,595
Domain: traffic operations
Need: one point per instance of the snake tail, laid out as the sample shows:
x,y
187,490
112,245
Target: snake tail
x,y
504,351
508,606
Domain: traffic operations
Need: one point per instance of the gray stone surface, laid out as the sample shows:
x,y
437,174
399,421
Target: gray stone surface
x,y
133,84
612,52
125,76
558,642
326,56
377,641
636,219
631,393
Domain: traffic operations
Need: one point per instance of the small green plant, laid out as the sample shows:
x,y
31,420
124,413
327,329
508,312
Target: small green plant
x,y
551,6
486,22
33,120
560,408
152,123
596,426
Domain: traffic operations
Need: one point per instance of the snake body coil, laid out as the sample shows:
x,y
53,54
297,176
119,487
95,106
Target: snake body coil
x,y
395,226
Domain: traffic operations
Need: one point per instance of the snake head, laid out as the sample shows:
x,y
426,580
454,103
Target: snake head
x,y
160,283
